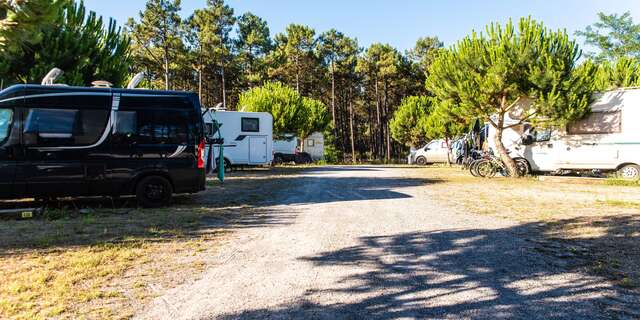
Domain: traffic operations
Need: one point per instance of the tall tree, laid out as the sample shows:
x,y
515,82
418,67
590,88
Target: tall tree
x,y
338,54
486,75
293,60
380,64
614,35
253,43
425,51
157,37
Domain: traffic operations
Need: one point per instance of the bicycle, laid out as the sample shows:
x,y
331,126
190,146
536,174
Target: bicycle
x,y
490,166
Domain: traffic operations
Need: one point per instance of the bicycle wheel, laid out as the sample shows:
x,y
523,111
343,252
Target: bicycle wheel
x,y
473,166
523,167
486,169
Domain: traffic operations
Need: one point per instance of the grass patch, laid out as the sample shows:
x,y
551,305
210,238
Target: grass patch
x,y
613,181
105,263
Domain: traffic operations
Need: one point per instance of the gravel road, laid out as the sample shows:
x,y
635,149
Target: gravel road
x,y
375,243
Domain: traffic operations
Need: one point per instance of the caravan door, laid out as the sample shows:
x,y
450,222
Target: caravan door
x,y
257,150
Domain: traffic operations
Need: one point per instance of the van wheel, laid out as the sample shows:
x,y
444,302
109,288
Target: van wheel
x,y
421,161
154,192
629,172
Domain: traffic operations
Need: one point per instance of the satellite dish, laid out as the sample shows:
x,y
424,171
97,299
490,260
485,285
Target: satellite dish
x,y
136,80
54,74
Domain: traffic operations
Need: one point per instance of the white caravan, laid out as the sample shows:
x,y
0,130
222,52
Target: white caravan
x,y
608,139
247,137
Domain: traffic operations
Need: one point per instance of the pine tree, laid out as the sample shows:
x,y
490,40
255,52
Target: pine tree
x,y
252,45
76,42
486,75
157,38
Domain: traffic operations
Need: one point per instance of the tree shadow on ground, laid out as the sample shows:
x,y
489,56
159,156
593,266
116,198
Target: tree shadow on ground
x,y
236,204
480,274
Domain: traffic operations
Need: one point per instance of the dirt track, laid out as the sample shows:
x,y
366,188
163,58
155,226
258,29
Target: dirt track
x,y
372,243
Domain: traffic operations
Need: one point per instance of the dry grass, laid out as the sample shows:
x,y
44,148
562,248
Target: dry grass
x,y
603,220
108,263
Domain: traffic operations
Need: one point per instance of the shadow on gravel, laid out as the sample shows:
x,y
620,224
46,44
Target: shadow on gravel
x,y
258,199
486,274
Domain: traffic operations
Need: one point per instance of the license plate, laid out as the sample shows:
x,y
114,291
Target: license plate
x,y
27,214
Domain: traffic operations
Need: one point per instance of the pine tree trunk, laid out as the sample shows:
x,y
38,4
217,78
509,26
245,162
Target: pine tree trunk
x,y
377,130
502,151
353,143
386,121
166,69
333,99
446,141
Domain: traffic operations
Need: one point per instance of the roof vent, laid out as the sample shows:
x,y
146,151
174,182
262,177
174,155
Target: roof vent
x,y
135,80
101,84
54,74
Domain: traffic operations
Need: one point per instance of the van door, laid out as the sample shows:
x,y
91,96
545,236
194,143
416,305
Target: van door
x,y
7,154
542,154
65,144
257,149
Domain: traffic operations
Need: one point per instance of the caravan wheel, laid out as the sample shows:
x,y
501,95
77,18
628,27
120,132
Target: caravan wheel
x,y
629,172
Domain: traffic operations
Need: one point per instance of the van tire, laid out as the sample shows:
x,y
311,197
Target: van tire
x,y
421,161
629,172
154,192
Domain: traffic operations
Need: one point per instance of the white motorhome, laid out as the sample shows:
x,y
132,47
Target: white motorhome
x,y
247,137
608,139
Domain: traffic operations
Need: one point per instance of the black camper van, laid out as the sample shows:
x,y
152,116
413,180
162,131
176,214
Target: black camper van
x,y
58,141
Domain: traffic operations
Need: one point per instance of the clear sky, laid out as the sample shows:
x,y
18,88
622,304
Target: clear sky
x,y
398,22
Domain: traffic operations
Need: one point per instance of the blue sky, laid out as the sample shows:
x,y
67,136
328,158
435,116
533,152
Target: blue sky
x,y
399,22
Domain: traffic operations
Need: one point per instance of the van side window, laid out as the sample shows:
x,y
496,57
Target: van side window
x,y
6,118
250,124
64,127
597,123
168,126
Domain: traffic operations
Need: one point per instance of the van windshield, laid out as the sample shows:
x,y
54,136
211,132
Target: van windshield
x,y
6,117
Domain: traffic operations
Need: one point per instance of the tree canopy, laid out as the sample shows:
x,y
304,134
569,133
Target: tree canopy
x,y
487,74
615,36
75,41
291,112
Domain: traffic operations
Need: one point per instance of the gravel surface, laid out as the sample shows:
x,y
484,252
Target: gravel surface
x,y
372,243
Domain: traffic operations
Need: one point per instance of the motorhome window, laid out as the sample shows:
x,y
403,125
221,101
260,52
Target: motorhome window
x,y
250,124
597,123
6,118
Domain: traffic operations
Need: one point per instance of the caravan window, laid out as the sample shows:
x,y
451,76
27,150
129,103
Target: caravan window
x,y
6,117
64,127
597,123
250,124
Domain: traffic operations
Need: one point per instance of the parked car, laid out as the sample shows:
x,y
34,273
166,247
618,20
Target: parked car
x,y
60,141
435,151
247,137
608,139
286,150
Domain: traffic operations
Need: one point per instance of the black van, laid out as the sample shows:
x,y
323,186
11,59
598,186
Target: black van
x,y
58,141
